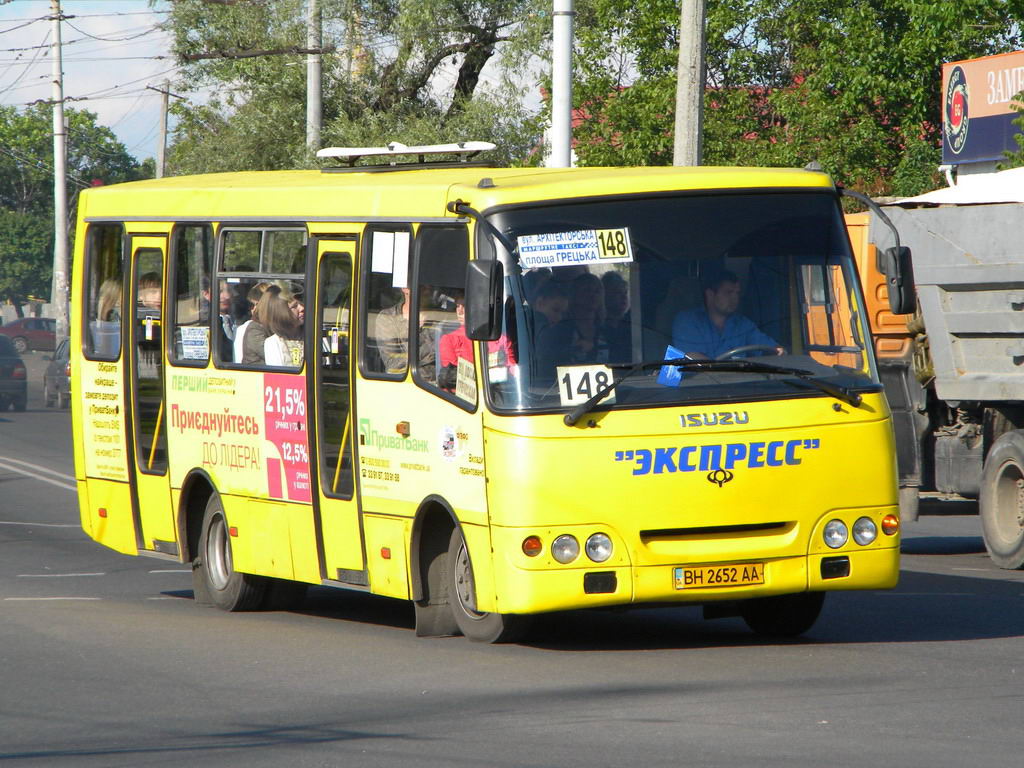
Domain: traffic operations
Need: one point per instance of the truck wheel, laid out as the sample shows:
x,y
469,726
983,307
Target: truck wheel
x,y
1002,500
214,578
783,615
478,627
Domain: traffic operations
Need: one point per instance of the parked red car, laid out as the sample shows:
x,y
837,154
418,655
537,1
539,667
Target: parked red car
x,y
31,333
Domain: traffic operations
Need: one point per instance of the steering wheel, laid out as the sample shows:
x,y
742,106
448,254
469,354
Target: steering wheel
x,y
747,348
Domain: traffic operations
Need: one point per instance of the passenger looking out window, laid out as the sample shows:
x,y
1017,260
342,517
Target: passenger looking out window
x,y
456,345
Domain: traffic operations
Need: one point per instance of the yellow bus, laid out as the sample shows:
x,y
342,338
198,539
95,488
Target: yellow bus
x,y
492,392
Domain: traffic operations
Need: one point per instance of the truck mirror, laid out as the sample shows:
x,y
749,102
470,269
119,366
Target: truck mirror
x,y
484,281
899,279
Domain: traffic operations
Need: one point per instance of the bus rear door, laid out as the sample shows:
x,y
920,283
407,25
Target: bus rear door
x,y
147,404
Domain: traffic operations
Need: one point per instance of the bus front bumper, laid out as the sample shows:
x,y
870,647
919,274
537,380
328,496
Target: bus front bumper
x,y
557,589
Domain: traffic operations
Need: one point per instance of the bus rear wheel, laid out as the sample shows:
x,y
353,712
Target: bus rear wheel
x,y
783,615
475,625
214,578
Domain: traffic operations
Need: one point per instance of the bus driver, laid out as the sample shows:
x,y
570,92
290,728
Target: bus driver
x,y
716,328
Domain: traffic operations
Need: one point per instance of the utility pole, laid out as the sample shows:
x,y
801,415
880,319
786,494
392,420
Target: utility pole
x,y
561,85
59,294
161,142
313,87
689,122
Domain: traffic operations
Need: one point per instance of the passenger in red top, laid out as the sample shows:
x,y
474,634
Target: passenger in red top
x,y
456,344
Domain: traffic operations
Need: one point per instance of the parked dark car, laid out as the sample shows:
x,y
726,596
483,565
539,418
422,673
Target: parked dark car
x,y
13,377
31,333
57,377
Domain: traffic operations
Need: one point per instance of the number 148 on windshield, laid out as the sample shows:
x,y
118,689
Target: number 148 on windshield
x,y
579,383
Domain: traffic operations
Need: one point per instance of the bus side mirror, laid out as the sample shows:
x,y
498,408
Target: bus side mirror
x,y
484,280
899,279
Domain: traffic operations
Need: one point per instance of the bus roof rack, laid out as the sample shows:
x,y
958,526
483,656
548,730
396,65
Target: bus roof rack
x,y
465,150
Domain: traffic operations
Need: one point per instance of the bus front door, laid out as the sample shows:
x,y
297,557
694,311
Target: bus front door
x,y
154,523
341,536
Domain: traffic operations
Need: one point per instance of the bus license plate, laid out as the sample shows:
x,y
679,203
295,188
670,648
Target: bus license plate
x,y
718,576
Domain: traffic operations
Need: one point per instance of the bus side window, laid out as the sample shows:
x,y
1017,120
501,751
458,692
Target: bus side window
x,y
386,305
189,313
261,298
104,280
442,253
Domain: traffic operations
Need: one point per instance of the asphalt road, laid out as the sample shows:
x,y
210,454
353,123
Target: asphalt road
x,y
106,661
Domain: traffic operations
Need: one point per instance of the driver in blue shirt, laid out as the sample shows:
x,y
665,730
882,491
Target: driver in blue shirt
x,y
717,328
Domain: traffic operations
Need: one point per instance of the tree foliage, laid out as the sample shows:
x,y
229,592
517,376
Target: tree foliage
x,y
853,84
395,71
94,155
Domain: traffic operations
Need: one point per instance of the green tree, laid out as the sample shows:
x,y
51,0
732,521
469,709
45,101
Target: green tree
x,y
394,71
853,84
26,256
26,189
1015,157
26,157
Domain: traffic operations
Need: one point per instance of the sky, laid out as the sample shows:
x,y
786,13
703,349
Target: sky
x,y
112,51
114,54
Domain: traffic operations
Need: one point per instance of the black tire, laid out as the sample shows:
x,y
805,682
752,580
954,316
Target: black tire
x,y
48,397
478,627
783,615
20,344
20,403
1001,506
214,579
63,401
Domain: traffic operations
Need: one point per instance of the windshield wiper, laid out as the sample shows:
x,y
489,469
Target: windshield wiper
x,y
747,366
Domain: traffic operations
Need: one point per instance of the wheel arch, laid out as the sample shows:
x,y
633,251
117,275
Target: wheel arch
x,y
196,490
431,529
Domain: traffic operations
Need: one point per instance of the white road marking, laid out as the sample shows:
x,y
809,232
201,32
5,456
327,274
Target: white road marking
x,y
173,570
8,464
55,575
32,599
42,525
979,570
38,468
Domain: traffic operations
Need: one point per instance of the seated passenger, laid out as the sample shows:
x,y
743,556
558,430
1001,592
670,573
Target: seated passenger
x,y
456,345
253,297
717,327
580,337
284,346
106,328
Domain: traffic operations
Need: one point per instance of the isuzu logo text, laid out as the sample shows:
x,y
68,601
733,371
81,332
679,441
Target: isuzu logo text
x,y
720,419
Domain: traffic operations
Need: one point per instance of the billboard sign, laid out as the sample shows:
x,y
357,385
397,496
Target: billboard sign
x,y
977,116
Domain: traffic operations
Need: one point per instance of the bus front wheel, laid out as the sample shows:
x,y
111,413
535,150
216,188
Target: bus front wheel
x,y
783,615
214,579
475,625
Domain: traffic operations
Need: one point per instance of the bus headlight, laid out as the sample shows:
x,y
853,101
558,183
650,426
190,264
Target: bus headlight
x,y
565,548
864,531
835,534
599,547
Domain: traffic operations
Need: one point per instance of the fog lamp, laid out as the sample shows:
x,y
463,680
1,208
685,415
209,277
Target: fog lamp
x,y
864,531
599,547
565,548
835,533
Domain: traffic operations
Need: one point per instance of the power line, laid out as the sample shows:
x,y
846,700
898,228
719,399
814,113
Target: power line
x,y
148,31
25,71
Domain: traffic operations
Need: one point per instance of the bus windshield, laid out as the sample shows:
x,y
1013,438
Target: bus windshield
x,y
601,290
